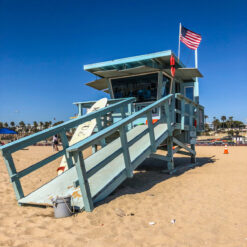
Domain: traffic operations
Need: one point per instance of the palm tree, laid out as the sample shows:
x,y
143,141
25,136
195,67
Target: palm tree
x,y
1,124
6,125
46,125
216,124
223,119
41,125
205,117
231,121
22,124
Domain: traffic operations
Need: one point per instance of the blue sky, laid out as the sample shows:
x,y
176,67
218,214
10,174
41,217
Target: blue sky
x,y
44,45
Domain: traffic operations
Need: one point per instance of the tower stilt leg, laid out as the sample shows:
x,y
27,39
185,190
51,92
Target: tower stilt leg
x,y
193,157
170,163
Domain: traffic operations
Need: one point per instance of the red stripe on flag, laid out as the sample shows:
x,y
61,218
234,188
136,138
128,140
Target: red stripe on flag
x,y
190,39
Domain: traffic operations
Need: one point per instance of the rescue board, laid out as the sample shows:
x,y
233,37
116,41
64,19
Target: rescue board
x,y
82,132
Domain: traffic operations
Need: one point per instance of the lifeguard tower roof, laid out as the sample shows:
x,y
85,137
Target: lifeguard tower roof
x,y
136,65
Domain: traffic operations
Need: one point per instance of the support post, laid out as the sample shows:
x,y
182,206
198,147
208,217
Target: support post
x,y
13,173
190,116
168,118
66,145
99,124
192,128
180,25
110,88
170,163
83,181
79,110
94,148
130,110
126,154
182,114
193,157
151,131
123,115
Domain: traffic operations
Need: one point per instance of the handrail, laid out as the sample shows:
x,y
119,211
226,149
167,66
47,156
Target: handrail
x,y
79,146
87,104
182,97
29,140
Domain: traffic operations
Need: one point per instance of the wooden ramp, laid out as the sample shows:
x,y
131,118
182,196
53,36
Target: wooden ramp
x,y
92,179
103,182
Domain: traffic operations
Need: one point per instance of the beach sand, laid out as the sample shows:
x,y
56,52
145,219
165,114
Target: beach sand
x,y
208,204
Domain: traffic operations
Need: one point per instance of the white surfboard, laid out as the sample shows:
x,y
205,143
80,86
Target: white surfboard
x,y
83,131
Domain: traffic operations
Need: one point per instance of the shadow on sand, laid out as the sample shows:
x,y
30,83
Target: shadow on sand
x,y
150,173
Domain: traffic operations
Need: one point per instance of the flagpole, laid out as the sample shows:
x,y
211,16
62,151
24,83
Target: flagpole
x,y
179,40
196,59
196,84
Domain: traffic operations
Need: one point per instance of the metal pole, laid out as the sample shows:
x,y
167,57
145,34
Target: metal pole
x,y
196,59
179,41
196,85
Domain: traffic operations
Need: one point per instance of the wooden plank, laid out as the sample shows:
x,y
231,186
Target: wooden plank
x,y
160,157
168,118
63,184
184,153
170,163
83,181
12,173
32,139
151,131
99,125
41,163
182,114
111,129
104,162
176,149
125,148
183,146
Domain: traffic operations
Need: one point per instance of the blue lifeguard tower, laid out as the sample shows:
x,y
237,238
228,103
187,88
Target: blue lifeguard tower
x,y
148,108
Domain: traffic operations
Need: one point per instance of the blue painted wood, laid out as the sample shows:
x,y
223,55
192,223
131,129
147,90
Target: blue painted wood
x,y
128,60
66,145
80,112
42,135
170,163
104,162
100,127
193,156
168,118
125,148
41,163
151,131
83,182
182,114
111,129
184,146
131,151
191,112
88,104
13,173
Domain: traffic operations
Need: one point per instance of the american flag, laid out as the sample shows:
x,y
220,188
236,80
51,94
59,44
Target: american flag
x,y
189,38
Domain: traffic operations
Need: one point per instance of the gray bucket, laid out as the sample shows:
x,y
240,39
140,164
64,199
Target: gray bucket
x,y
62,207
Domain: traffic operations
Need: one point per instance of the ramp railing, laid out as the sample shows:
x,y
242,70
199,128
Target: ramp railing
x,y
75,150
195,114
61,129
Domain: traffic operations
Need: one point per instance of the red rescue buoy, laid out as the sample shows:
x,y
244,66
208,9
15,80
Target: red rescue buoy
x,y
172,60
195,123
173,71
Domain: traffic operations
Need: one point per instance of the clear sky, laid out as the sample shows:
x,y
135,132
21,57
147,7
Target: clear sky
x,y
44,45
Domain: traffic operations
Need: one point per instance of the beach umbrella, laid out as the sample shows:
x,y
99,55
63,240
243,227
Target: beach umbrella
x,y
7,131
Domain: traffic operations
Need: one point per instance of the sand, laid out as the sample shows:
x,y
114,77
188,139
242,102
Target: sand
x,y
208,204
